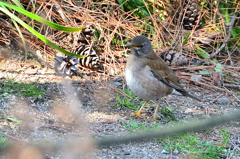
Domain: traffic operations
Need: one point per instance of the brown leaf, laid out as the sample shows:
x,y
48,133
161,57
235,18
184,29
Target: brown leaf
x,y
216,76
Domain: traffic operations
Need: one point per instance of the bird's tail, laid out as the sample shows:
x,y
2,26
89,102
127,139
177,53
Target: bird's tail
x,y
192,96
185,93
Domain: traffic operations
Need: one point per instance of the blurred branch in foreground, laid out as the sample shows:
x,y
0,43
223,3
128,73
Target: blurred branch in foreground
x,y
171,131
84,146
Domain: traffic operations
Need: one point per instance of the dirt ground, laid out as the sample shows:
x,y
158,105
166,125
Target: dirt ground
x,y
74,110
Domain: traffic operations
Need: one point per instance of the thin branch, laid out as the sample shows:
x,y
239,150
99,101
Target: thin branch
x,y
231,85
204,84
226,39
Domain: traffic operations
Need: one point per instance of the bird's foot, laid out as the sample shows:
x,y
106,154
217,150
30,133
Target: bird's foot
x,y
136,114
152,119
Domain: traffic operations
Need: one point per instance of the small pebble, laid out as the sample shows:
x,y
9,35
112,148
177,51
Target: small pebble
x,y
196,78
199,108
176,151
223,101
164,151
75,82
225,150
106,133
117,84
2,76
104,150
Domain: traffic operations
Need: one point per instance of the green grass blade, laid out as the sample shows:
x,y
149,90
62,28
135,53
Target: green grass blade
x,y
20,33
186,39
34,32
17,3
40,19
202,53
22,38
33,5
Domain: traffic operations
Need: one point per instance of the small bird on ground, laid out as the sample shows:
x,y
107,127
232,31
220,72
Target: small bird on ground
x,y
148,76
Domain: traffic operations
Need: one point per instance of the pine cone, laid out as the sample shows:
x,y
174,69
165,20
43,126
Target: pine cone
x,y
187,12
173,58
190,14
86,35
69,65
91,59
65,65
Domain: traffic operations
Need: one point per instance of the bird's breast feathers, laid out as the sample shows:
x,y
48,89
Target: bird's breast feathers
x,y
133,76
144,84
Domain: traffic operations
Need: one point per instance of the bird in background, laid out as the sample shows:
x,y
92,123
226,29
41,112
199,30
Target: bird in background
x,y
148,76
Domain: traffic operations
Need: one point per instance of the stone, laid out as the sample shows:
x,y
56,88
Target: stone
x,y
223,101
196,78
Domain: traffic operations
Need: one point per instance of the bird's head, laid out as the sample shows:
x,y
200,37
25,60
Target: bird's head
x,y
141,47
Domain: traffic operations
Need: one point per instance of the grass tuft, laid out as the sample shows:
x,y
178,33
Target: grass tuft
x,y
21,89
193,145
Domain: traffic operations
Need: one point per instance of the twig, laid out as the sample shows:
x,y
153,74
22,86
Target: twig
x,y
193,68
53,126
14,138
232,70
226,39
5,58
232,86
211,86
233,95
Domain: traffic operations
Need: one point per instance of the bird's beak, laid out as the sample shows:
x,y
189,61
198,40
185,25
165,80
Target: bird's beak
x,y
129,46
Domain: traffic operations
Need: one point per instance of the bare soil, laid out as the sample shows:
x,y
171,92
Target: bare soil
x,y
74,110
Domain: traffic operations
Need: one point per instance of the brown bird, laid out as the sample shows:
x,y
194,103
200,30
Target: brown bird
x,y
148,76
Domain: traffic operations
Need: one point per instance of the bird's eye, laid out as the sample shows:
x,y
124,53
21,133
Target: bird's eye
x,y
140,46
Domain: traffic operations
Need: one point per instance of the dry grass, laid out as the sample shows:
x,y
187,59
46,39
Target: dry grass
x,y
117,27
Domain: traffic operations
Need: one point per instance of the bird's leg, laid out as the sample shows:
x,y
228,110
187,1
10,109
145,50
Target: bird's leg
x,y
138,113
155,113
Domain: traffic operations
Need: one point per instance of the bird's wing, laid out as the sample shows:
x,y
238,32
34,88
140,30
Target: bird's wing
x,y
171,80
163,73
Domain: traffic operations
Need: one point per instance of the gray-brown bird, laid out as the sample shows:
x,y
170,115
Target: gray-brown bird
x,y
148,76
